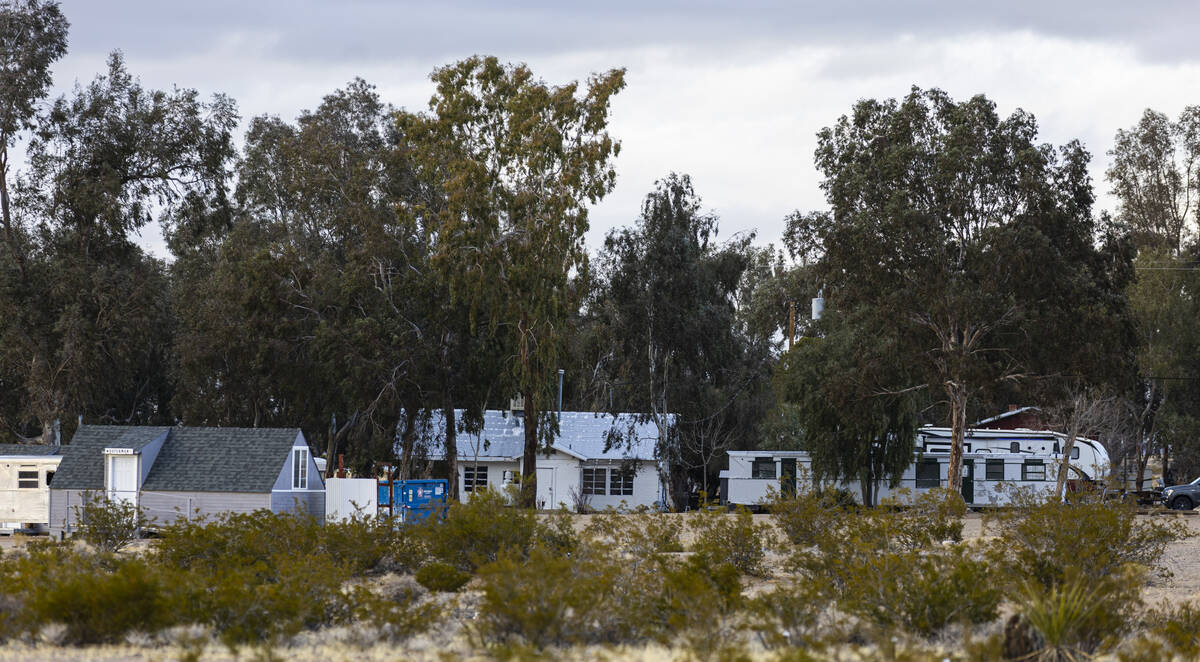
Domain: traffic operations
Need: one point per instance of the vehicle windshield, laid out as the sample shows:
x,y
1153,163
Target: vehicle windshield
x,y
1195,482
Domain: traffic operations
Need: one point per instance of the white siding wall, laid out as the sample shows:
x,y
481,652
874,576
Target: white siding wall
x,y
495,474
162,508
645,489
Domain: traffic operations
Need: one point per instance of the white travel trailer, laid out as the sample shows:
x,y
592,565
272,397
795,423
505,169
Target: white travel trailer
x,y
25,474
1089,459
988,477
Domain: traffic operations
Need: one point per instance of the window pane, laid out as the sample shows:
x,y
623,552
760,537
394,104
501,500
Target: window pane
x,y
763,467
593,481
27,480
621,483
995,470
929,474
1033,471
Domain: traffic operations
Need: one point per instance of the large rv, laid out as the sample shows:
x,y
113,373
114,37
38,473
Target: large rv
x,y
1089,460
25,474
987,479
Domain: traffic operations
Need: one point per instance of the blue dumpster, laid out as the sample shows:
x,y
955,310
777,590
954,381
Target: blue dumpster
x,y
418,499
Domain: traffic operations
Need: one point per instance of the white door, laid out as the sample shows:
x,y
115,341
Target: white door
x,y
123,477
545,488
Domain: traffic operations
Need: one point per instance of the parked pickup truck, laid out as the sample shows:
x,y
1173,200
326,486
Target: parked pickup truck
x,y
1182,497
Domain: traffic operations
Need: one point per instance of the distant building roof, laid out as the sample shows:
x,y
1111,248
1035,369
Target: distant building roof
x,y
585,435
191,459
13,450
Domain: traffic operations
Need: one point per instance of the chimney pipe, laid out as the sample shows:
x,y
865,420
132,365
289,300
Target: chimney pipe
x,y
560,382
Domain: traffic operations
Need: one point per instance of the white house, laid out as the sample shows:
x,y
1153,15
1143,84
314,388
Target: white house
x,y
597,460
25,474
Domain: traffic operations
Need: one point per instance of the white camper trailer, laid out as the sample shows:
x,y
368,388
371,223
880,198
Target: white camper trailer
x,y
1089,459
987,476
25,474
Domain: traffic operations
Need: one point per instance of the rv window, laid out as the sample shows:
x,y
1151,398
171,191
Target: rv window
x,y
1074,452
27,480
1033,470
593,481
764,467
474,478
620,483
1014,447
929,473
995,470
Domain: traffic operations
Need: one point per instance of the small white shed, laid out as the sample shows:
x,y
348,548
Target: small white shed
x,y
26,471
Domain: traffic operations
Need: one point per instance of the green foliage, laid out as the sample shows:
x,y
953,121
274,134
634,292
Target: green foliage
x,y
395,617
732,539
1167,633
790,615
808,515
640,535
97,598
1075,617
443,577
480,531
108,525
1045,542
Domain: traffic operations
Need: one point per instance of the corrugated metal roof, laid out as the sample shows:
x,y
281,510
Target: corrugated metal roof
x,y
586,435
191,459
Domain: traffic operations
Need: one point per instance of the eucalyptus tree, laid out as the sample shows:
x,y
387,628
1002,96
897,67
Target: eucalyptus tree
x,y
518,161
85,317
975,241
298,310
1155,174
668,337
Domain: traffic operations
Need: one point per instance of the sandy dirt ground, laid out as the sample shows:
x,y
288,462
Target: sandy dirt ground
x,y
1182,583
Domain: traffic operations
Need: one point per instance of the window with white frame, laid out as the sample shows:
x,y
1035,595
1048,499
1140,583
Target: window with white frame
x,y
593,481
1033,470
299,468
475,478
620,482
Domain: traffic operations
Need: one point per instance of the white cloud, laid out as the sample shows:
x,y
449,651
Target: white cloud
x,y
739,116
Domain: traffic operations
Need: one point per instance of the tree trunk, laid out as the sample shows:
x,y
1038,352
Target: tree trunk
x,y
10,235
451,444
406,442
1066,461
958,428
331,452
49,436
529,457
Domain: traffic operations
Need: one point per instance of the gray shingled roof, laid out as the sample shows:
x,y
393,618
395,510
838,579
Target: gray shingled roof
x,y
191,459
82,466
9,450
220,460
581,434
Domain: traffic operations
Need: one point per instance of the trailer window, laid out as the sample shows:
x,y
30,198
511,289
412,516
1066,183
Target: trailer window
x,y
27,480
593,481
1014,447
1074,452
929,473
763,467
620,483
1033,470
995,470
474,478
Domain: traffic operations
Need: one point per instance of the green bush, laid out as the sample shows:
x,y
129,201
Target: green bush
x,y
395,617
640,535
789,615
480,531
804,518
1046,541
1167,633
734,539
1080,614
442,577
108,525
97,598
918,591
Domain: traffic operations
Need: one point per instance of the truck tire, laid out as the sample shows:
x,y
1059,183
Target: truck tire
x,y
1182,503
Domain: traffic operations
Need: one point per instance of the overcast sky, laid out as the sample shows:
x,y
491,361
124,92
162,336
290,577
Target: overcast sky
x,y
731,93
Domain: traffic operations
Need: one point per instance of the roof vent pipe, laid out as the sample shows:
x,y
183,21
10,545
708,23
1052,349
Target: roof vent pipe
x,y
560,380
